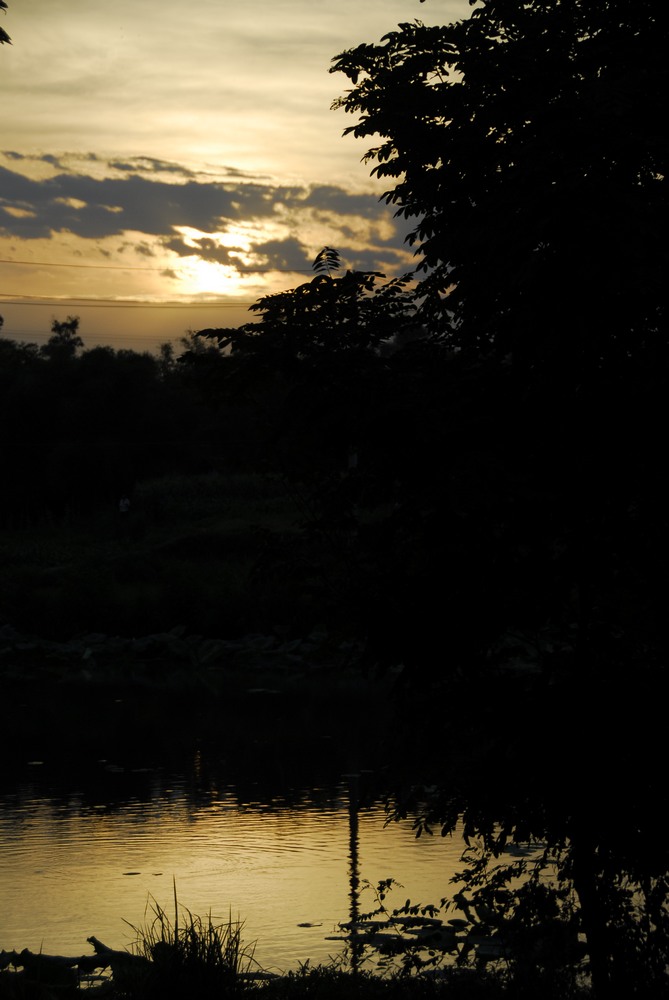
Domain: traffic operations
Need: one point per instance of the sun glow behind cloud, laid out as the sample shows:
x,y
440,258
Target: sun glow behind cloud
x,y
139,231
202,277
199,276
204,162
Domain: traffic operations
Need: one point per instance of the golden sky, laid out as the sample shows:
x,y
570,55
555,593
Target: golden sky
x,y
165,164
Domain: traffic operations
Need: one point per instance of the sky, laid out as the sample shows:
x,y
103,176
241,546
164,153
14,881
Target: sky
x,y
163,165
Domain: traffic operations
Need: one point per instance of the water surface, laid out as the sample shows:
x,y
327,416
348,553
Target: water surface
x,y
85,856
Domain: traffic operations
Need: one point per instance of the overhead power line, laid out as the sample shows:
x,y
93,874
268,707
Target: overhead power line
x,y
27,300
164,267
106,267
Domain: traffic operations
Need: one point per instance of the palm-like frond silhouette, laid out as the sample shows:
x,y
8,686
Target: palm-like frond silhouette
x,y
326,261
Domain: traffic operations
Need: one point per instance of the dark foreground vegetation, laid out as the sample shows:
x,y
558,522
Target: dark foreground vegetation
x,y
185,954
456,481
204,960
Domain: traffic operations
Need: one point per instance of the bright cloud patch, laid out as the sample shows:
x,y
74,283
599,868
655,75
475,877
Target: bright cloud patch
x,y
239,225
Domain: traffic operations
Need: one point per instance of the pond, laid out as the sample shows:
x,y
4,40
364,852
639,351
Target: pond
x,y
87,847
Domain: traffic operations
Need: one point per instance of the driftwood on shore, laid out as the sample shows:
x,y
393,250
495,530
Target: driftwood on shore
x,y
65,970
110,957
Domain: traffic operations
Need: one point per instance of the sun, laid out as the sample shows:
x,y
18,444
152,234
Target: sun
x,y
205,277
200,273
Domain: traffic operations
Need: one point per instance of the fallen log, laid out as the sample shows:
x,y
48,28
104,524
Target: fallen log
x,y
110,956
125,967
52,970
123,961
63,970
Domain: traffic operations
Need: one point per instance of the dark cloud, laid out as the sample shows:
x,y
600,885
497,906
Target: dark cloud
x,y
327,198
385,259
95,208
156,199
205,249
143,248
289,254
151,165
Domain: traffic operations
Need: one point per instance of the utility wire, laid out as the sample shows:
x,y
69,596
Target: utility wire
x,y
164,267
107,267
102,304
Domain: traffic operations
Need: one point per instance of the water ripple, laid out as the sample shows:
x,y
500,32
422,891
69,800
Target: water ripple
x,y
70,869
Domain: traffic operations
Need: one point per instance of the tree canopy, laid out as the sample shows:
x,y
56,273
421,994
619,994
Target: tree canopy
x,y
528,142
322,320
4,37
528,145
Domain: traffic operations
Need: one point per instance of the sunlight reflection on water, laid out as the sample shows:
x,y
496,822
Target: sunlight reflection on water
x,y
70,869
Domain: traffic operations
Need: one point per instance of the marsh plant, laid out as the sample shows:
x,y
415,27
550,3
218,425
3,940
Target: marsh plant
x,y
188,955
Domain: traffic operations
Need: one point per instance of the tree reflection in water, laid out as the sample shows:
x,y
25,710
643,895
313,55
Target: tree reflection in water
x,y
354,869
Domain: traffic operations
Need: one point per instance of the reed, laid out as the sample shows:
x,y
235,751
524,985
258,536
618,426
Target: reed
x,y
188,955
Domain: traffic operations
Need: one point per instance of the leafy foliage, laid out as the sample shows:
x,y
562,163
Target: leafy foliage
x,y
64,342
4,37
326,261
306,371
528,143
513,923
405,940
322,319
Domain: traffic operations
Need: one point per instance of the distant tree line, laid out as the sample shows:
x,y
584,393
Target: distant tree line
x,y
292,393
81,425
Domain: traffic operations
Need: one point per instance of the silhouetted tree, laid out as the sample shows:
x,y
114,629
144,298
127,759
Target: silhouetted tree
x,y
308,366
4,37
528,143
323,318
64,341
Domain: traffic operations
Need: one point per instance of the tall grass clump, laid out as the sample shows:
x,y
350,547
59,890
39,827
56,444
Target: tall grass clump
x,y
187,956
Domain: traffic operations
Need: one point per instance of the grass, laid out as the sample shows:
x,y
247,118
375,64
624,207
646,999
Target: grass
x,y
187,955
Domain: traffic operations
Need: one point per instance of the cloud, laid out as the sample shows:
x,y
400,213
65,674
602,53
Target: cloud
x,y
234,218
288,254
329,198
205,248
